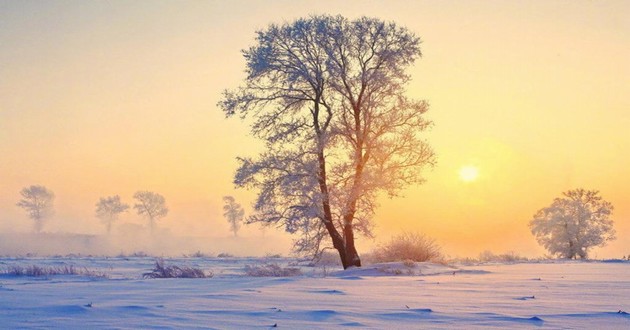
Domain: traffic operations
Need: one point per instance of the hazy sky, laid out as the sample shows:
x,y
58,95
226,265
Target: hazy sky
x,y
108,97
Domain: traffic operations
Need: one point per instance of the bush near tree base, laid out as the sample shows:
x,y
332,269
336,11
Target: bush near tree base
x,y
408,246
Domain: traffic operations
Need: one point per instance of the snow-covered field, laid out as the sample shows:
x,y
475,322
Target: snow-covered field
x,y
550,295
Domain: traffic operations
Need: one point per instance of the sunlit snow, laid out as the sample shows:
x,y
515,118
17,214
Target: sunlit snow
x,y
554,295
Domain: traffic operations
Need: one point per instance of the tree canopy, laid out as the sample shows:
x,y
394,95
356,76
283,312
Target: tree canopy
x,y
108,209
150,205
38,203
233,212
573,224
327,95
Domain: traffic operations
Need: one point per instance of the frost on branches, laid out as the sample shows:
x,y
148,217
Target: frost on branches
x,y
326,94
574,224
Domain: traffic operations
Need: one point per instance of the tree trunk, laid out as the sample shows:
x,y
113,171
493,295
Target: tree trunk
x,y
337,239
343,244
38,225
352,257
339,245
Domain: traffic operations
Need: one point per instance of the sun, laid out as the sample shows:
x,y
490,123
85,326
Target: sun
x,y
468,173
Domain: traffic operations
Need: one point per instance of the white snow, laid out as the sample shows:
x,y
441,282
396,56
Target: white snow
x,y
551,295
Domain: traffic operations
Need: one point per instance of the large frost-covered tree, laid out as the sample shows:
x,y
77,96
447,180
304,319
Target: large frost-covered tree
x,y
327,95
150,205
573,224
38,203
108,209
233,212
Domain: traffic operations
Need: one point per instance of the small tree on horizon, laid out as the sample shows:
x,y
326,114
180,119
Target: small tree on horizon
x,y
108,209
234,213
38,203
573,224
151,206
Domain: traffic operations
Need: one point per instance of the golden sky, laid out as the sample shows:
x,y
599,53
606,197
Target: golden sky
x,y
104,98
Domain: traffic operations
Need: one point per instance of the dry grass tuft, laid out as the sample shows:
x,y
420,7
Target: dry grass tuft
x,y
37,271
162,271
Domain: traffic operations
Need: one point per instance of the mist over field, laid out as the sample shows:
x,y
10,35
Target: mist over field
x,y
136,242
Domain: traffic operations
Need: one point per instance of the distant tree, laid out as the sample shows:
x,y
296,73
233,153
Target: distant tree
x,y
38,203
234,213
108,209
327,95
151,206
573,224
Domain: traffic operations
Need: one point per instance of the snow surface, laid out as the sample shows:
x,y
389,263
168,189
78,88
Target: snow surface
x,y
550,295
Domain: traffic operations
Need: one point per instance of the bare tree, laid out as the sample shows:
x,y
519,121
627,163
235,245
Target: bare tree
x,y
38,203
573,224
234,213
327,96
108,209
151,206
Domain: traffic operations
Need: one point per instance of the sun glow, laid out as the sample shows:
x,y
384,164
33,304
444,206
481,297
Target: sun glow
x,y
468,173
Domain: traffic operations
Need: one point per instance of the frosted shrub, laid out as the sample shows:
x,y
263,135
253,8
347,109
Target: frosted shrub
x,y
162,271
408,247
